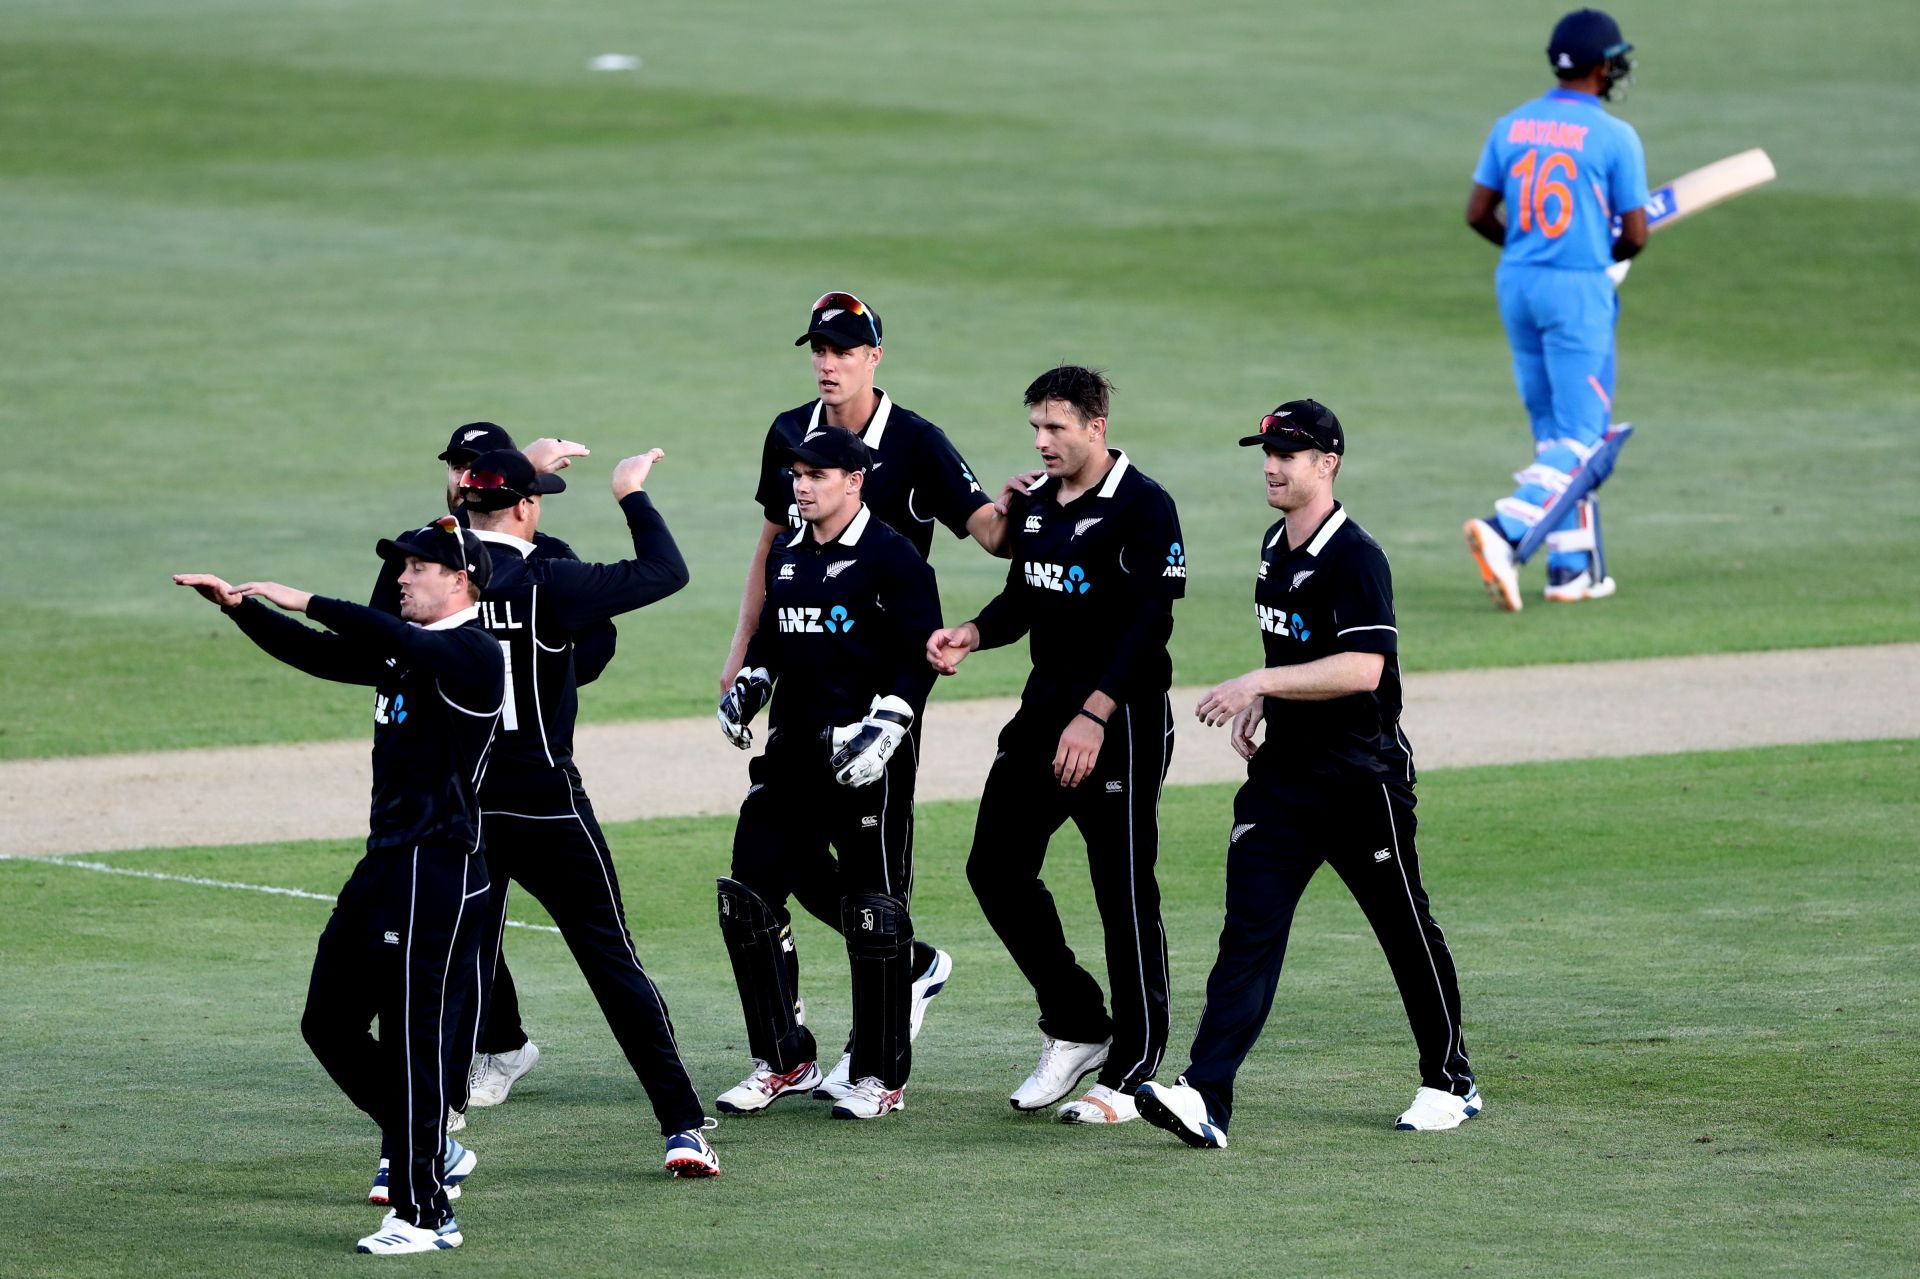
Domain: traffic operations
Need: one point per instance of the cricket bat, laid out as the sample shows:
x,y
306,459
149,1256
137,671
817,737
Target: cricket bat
x,y
1705,187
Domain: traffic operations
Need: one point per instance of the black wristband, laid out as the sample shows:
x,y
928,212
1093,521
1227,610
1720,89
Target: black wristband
x,y
1090,715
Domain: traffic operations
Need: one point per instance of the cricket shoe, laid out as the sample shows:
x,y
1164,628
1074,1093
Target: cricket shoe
x,y
1181,1110
459,1162
689,1154
870,1099
396,1237
1493,554
1579,587
1101,1105
494,1074
1063,1064
765,1086
456,1120
1436,1111
925,987
839,1081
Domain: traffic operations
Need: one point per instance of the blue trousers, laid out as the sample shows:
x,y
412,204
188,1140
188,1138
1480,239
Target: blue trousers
x,y
1560,325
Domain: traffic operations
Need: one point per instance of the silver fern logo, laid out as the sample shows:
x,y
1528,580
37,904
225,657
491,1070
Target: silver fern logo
x,y
1084,525
838,567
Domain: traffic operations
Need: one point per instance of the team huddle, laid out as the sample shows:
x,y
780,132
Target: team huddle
x,y
480,631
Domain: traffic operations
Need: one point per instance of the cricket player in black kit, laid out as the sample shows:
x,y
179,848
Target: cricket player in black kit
x,y
503,1052
402,942
540,829
918,480
1333,782
1097,564
849,604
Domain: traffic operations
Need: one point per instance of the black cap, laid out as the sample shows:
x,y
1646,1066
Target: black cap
x,y
833,448
843,320
442,542
473,439
499,478
1299,425
1585,38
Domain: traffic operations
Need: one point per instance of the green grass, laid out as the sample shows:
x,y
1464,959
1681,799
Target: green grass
x,y
262,259
1687,984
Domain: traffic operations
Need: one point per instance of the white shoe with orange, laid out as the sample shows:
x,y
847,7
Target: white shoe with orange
x,y
1101,1105
1493,555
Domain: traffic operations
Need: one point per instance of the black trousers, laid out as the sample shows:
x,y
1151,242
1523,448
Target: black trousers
x,y
1281,835
402,947
794,821
1117,810
564,861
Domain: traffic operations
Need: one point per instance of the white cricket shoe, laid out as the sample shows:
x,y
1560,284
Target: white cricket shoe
x,y
1579,588
1063,1064
1436,1111
925,987
870,1099
494,1074
765,1086
396,1237
1101,1105
456,1120
1494,556
1181,1110
839,1081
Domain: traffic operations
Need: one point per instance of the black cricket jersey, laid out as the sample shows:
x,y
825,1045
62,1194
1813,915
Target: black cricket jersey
x,y
593,647
535,608
845,622
918,478
436,706
1333,595
1092,585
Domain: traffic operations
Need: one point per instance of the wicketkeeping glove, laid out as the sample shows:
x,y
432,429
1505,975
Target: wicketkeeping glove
x,y
751,689
861,751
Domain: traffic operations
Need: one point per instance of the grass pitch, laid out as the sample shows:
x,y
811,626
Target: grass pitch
x,y
1686,980
262,258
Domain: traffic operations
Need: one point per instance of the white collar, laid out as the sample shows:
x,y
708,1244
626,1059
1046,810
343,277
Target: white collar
x,y
1320,539
519,544
871,432
1107,486
849,536
452,620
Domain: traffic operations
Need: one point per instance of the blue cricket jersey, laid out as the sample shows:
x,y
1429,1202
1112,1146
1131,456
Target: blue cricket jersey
x,y
1566,169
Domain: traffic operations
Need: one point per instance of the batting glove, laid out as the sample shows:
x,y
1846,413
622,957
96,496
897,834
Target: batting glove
x,y
861,751
1618,271
751,689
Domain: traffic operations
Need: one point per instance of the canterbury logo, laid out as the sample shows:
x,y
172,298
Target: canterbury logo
x,y
838,567
391,938
1033,524
1238,831
1381,854
868,823
1114,788
786,572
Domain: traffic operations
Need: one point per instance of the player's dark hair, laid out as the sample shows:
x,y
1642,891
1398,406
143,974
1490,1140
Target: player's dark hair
x,y
1087,390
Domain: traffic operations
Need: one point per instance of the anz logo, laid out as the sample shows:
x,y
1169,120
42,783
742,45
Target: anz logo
x,y
810,620
1071,580
1176,562
394,712
973,485
1274,621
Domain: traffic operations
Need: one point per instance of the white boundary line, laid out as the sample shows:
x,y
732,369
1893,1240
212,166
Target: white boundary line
x,y
302,893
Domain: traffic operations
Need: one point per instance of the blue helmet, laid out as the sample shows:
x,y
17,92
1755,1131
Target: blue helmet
x,y
1589,38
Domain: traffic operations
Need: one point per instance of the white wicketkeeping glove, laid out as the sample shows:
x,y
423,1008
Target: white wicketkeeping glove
x,y
1618,272
751,688
861,751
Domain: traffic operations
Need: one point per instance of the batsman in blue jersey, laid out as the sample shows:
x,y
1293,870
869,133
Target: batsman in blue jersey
x,y
1574,183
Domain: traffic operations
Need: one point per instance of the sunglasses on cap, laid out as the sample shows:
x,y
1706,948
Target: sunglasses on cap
x,y
1272,424
489,481
448,525
849,303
